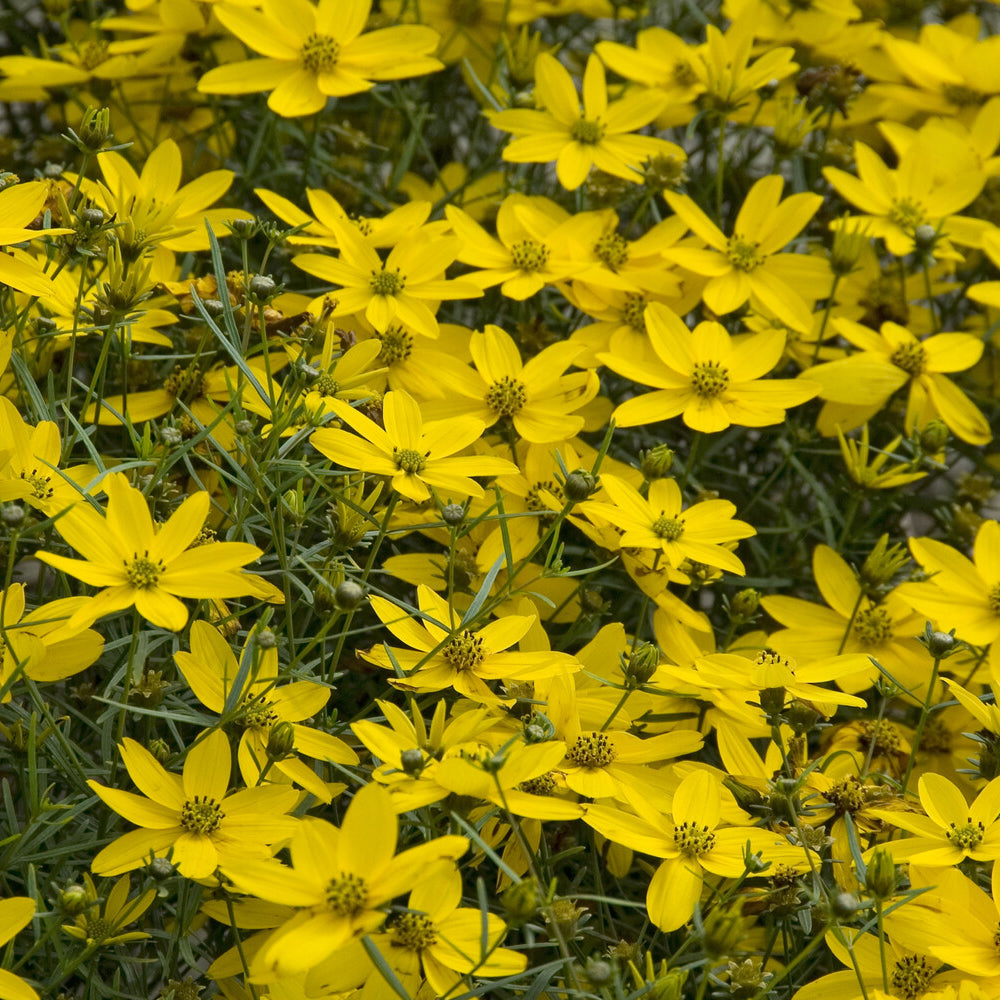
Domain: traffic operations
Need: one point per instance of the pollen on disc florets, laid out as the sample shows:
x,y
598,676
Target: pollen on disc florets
x,y
907,213
182,380
464,651
709,380
872,626
387,282
693,840
612,249
668,528
397,345
742,253
506,396
634,312
413,931
142,572
880,737
911,357
967,836
320,53
201,815
409,461
346,895
587,131
993,599
910,976
592,750
41,488
326,385
529,255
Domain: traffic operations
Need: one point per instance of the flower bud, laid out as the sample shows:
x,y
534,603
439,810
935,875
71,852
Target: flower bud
x,y
453,514
849,241
745,604
940,645
266,639
656,463
579,485
262,288
161,868
348,595
934,436
242,229
95,129
597,971
880,875
92,217
12,514
772,701
412,761
280,741
844,905
640,664
160,749
520,902
74,899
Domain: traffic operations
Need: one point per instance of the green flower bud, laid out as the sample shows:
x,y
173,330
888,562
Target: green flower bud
x,y
348,595
880,875
453,514
280,741
745,604
74,899
844,905
412,761
934,436
520,902
640,664
579,485
598,972
656,463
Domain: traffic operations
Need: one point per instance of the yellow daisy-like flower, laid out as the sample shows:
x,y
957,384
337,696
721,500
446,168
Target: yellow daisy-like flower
x,y
20,205
317,51
102,926
749,263
578,140
416,455
14,915
340,880
661,522
706,376
875,474
191,818
150,566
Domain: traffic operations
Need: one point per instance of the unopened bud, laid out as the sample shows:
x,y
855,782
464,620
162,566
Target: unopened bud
x,y
579,485
845,905
453,514
641,663
95,129
939,644
412,761
74,899
745,604
597,971
934,436
93,217
280,741
348,595
849,241
656,463
12,514
266,639
262,288
880,875
160,749
520,902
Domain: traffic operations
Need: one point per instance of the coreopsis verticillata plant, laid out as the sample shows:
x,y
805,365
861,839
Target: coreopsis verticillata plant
x,y
261,703
417,455
858,386
313,52
749,264
340,880
136,562
661,522
705,376
192,818
598,135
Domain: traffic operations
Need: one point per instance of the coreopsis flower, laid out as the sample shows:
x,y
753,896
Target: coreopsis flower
x,y
20,205
953,829
850,623
443,653
749,264
340,880
102,926
536,396
692,844
260,704
661,522
599,134
858,386
40,645
435,936
150,566
532,247
896,202
961,593
320,52
191,819
415,454
706,376
15,912
396,289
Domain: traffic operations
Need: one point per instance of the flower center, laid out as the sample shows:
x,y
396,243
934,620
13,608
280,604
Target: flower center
x,y
201,815
910,357
683,74
464,651
612,250
634,312
319,53
993,599
872,626
742,253
668,528
709,380
326,385
98,929
533,498
907,213
409,461
544,784
592,750
258,714
346,896
529,255
142,572
693,840
880,737
467,13
847,795
387,282
413,931
92,54
966,837
910,976
397,345
506,397
181,381
587,131
957,93
40,488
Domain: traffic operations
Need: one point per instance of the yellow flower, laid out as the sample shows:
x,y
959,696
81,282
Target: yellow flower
x,y
191,819
416,455
706,376
340,880
260,704
662,523
15,912
598,136
871,476
102,926
396,289
20,205
314,52
749,264
150,566
858,386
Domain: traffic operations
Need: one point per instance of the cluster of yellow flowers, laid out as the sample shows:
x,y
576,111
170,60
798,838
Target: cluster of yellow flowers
x,y
414,483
